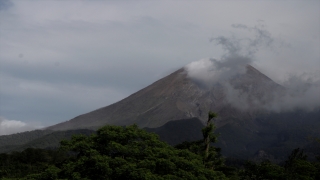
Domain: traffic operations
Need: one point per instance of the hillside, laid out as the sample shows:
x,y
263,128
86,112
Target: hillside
x,y
37,139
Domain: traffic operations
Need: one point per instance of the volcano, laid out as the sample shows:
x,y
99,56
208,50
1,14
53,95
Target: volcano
x,y
175,97
176,107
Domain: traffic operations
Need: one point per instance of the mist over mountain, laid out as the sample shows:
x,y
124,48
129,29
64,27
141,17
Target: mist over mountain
x,y
183,94
229,86
299,91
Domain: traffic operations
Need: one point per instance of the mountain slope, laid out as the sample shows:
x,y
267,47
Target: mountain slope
x,y
37,139
19,139
175,132
173,97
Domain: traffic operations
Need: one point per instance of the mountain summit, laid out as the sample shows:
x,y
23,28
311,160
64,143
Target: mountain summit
x,y
179,96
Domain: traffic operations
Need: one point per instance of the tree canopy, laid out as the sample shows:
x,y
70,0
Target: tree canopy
x,y
116,152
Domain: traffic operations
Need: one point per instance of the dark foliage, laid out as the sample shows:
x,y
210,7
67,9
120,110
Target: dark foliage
x,y
29,161
115,152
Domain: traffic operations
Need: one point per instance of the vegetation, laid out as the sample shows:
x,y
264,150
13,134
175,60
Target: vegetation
x,y
297,167
10,142
37,139
115,152
30,161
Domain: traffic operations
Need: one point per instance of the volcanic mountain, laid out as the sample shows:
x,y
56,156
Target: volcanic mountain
x,y
176,108
177,97
245,127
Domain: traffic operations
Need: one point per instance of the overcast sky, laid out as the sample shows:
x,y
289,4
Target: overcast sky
x,y
60,59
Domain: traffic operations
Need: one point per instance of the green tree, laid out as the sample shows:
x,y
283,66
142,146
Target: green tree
x,y
128,153
263,170
211,156
297,166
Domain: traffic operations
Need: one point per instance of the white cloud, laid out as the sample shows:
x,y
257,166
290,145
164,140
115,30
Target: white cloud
x,y
13,126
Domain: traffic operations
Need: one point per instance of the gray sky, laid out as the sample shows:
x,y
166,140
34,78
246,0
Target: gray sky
x,y
60,59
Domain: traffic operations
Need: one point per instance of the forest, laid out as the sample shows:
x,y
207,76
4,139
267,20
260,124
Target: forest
x,y
116,152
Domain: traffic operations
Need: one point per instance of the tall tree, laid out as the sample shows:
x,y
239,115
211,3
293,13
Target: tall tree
x,y
208,134
212,157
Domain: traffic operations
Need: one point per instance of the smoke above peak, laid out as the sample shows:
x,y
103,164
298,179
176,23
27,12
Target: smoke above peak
x,y
238,53
208,72
244,46
296,92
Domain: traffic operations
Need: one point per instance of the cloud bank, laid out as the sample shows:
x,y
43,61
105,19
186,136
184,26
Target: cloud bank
x,y
297,94
302,93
